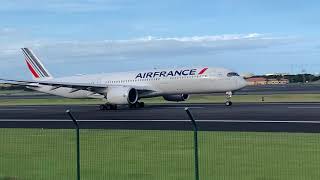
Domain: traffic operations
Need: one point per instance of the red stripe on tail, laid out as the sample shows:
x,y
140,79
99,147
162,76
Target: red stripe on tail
x,y
202,71
32,70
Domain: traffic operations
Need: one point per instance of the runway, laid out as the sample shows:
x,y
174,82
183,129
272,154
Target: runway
x,y
281,89
251,90
269,117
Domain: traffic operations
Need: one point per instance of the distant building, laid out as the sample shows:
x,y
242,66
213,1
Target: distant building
x,y
278,81
255,81
277,74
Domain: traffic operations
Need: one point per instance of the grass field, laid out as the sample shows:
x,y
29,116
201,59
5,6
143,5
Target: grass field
x,y
247,98
32,154
18,92
193,99
53,101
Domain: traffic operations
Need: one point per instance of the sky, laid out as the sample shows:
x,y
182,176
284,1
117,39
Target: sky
x,y
93,36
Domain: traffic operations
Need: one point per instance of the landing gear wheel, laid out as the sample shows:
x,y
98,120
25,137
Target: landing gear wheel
x,y
103,107
132,105
228,96
140,104
228,103
137,105
113,107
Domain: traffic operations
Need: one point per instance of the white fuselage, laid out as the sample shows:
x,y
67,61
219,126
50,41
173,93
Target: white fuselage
x,y
158,82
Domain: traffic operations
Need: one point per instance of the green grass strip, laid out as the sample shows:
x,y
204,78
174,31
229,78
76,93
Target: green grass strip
x,y
32,154
193,99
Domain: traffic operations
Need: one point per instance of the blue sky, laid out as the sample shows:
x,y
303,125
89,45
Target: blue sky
x,y
88,36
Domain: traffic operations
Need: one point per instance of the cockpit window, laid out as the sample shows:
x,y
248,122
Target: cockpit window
x,y
232,74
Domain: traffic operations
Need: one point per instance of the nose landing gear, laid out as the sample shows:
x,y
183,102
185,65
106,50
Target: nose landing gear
x,y
228,97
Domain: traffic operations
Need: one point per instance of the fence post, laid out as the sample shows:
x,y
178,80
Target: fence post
x,y
195,137
78,141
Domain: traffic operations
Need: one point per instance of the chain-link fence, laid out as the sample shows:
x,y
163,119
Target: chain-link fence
x,y
32,154
105,154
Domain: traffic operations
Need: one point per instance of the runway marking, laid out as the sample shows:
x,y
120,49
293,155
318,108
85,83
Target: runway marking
x,y
165,120
180,107
307,107
247,103
17,109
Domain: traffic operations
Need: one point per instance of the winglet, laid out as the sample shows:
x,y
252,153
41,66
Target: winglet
x,y
35,66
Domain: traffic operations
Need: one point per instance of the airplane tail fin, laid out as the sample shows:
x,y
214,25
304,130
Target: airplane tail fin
x,y
35,66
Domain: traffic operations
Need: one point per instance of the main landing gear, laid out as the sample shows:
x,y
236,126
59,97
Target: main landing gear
x,y
103,107
137,105
228,96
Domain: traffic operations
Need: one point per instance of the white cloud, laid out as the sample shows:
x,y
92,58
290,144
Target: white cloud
x,y
155,47
136,52
145,47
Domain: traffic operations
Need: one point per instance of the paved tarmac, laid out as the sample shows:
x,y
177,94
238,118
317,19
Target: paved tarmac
x,y
281,89
271,117
256,90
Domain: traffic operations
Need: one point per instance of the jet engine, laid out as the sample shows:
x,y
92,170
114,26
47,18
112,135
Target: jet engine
x,y
177,97
122,95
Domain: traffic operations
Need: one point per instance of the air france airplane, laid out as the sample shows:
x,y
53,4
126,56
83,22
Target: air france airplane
x,y
128,88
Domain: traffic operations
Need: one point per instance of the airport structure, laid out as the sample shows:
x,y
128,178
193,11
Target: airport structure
x,y
254,81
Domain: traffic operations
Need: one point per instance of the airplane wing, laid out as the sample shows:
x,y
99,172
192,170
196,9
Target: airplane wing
x,y
97,88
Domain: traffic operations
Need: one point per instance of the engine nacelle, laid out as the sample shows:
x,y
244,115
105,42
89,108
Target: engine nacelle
x,y
177,97
122,95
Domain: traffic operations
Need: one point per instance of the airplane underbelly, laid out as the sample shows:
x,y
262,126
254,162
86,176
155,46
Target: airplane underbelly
x,y
184,86
68,92
195,86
